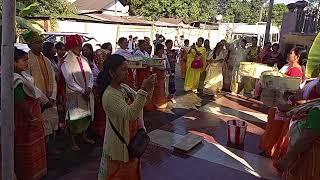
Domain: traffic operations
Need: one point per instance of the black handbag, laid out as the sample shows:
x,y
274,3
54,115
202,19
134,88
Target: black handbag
x,y
137,144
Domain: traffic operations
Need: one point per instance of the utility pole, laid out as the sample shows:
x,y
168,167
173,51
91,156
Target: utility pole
x,y
267,33
7,106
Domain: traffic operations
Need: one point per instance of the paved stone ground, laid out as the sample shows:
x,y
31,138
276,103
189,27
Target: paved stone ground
x,y
200,115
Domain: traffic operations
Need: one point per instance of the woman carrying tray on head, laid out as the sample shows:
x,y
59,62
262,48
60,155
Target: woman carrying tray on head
x,y
278,123
161,87
183,58
141,74
123,51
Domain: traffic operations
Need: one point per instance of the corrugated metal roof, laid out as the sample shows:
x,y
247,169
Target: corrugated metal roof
x,y
95,5
121,19
129,20
136,20
176,21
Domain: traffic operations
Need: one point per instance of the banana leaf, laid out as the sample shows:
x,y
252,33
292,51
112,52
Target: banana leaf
x,y
28,10
312,69
24,24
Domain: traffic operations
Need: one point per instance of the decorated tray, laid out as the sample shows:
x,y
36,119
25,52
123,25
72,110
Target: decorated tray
x,y
252,69
277,80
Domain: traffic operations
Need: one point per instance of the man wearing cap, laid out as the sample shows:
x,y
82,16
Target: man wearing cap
x,y
79,81
41,70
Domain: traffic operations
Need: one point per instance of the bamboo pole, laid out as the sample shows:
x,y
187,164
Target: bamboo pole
x,y
7,107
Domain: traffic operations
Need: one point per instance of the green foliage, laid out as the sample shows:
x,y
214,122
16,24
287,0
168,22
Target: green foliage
x,y
31,8
24,11
201,10
277,13
244,11
52,8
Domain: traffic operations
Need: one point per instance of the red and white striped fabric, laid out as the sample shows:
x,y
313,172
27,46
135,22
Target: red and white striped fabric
x,y
236,132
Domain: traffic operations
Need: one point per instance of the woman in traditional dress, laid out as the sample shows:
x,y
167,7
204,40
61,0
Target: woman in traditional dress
x,y
143,73
193,75
237,83
204,73
254,50
183,58
161,88
107,46
87,52
123,51
278,123
274,57
79,81
102,54
265,51
28,120
214,78
172,56
99,123
61,86
228,67
302,158
123,107
149,47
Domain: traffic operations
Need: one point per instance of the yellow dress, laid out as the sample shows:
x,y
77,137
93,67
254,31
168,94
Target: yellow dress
x,y
193,75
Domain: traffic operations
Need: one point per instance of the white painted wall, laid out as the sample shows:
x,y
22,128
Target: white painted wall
x,y
112,32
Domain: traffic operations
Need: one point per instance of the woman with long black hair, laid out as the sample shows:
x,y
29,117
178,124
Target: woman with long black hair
x,y
123,107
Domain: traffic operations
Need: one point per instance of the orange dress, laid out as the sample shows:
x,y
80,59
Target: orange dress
x,y
274,140
131,78
159,93
183,62
118,170
141,74
274,135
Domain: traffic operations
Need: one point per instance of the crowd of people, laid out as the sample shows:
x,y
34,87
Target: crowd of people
x,y
74,88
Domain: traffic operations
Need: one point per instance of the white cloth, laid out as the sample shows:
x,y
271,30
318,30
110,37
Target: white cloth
x,y
28,86
77,107
139,53
71,81
125,53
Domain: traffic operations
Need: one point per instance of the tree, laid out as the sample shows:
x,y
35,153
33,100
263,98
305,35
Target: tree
x,y
277,13
201,10
236,11
52,8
